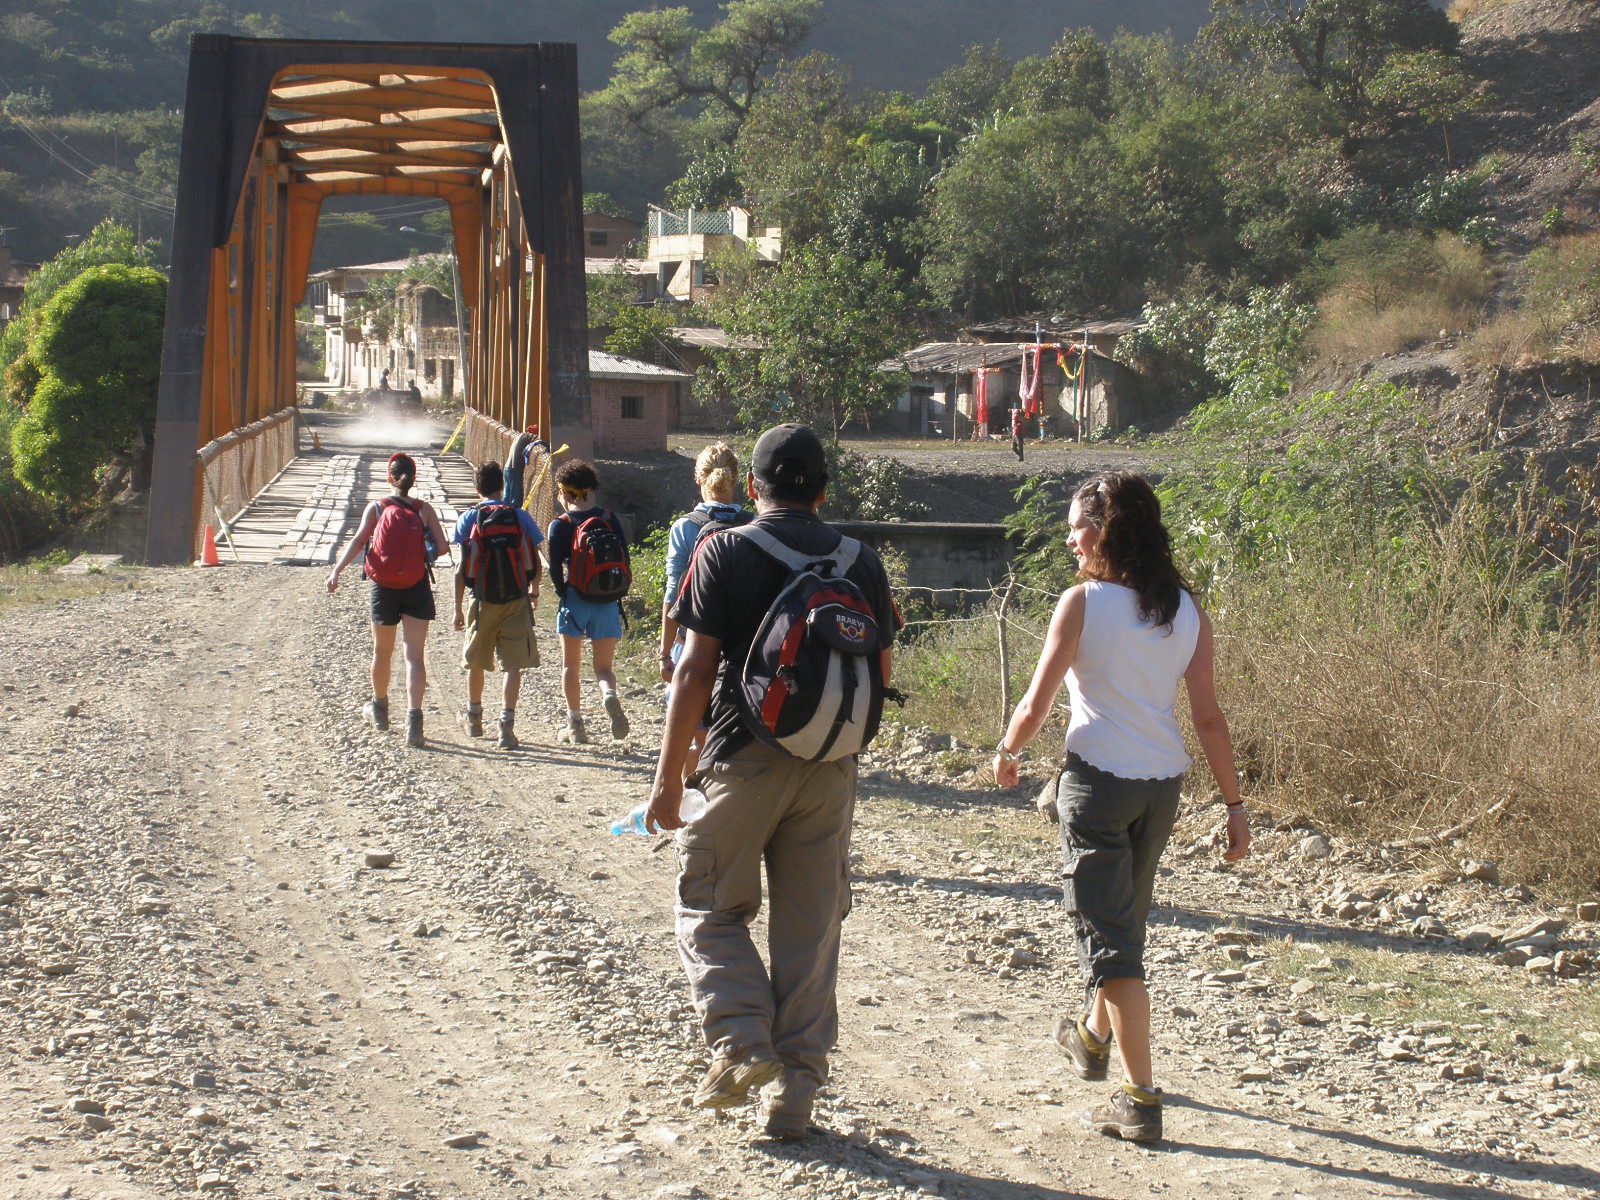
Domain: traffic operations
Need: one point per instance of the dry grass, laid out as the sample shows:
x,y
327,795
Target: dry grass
x,y
23,585
1558,315
1411,695
1420,301
1463,11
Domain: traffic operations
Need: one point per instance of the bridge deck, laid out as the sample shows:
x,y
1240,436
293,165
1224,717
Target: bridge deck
x,y
305,515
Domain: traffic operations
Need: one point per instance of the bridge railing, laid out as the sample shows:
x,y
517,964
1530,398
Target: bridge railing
x,y
235,467
487,440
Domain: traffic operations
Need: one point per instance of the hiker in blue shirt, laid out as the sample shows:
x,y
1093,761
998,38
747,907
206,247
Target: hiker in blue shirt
x,y
499,620
716,471
590,586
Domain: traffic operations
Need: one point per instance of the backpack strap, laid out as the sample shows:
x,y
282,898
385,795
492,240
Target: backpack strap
x,y
841,558
700,519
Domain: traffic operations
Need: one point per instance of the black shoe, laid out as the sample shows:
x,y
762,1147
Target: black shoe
x,y
1129,1119
1091,1063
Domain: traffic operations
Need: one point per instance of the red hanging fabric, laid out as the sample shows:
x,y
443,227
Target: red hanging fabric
x,y
980,396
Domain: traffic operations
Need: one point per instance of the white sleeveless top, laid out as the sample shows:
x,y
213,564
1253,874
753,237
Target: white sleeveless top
x,y
1123,685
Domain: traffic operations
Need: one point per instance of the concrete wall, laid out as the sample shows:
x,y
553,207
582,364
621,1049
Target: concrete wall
x,y
943,556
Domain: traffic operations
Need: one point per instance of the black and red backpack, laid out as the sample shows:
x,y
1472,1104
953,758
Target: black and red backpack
x,y
397,552
599,568
812,684
499,556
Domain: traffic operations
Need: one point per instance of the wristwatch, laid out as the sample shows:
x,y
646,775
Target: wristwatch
x,y
1005,755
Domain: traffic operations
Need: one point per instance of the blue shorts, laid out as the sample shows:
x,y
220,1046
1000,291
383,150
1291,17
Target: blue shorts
x,y
579,618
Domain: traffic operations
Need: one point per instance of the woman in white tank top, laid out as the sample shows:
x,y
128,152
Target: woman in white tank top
x,y
1122,641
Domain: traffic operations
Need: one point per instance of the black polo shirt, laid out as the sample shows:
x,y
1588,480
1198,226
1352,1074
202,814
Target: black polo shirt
x,y
731,583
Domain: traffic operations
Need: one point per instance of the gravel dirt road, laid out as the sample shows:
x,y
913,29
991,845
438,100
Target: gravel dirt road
x,y
206,988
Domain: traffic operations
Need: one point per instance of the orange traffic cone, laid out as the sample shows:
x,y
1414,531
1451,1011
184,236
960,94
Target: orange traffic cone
x,y
208,553
316,440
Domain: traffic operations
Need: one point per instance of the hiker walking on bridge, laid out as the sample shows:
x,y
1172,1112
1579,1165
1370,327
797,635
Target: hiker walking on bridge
x,y
500,567
1122,641
400,535
590,569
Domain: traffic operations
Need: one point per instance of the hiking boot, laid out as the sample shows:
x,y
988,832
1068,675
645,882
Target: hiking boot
x,y
731,1078
576,733
1075,1044
1129,1119
619,719
784,1125
414,727
377,712
508,737
472,720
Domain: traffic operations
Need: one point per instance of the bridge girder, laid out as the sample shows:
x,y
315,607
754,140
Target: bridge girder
x,y
274,127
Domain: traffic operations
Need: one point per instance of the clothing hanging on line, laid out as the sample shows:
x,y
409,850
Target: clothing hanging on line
x,y
980,396
1031,370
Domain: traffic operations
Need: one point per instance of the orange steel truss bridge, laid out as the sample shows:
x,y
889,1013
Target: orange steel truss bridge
x,y
271,129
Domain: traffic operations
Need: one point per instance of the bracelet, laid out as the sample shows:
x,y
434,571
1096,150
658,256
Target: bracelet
x,y
1236,807
1005,755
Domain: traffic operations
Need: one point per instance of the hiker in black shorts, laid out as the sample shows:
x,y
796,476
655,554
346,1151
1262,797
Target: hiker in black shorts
x,y
394,532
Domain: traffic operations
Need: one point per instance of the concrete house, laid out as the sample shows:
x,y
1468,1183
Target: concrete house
x,y
415,339
680,244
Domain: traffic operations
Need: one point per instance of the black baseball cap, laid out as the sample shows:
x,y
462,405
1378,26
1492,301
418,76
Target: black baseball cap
x,y
790,456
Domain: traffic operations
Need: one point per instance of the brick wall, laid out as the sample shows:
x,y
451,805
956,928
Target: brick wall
x,y
615,434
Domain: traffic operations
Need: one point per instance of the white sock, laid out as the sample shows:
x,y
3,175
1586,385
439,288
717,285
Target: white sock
x,y
574,715
607,689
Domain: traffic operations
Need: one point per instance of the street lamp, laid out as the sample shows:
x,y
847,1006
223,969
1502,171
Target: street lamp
x,y
461,324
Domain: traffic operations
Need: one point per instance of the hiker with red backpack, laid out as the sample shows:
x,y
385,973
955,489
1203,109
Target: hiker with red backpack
x,y
788,627
400,535
501,570
590,569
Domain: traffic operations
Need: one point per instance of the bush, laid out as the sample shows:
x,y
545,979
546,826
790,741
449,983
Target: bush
x,y
94,359
1560,308
1387,291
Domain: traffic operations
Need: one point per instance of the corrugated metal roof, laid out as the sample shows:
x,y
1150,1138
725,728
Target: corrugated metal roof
x,y
1058,326
712,338
957,357
616,366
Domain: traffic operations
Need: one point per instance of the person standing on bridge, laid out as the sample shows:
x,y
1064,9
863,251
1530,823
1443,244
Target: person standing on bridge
x,y
395,532
1122,641
590,569
499,565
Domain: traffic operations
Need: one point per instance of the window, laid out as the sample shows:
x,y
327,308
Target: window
x,y
633,408
430,369
597,237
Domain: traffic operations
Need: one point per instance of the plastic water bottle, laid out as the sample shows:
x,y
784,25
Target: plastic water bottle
x,y
694,803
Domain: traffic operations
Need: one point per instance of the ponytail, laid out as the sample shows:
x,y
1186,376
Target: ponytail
x,y
402,472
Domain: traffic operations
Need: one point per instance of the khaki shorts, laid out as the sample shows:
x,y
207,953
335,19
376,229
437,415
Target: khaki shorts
x,y
499,636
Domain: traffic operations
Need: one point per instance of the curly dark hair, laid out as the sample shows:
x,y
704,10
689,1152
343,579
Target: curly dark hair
x,y
578,475
1135,548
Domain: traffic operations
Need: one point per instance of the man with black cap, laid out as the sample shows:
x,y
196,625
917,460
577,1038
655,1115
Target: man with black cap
x,y
768,1030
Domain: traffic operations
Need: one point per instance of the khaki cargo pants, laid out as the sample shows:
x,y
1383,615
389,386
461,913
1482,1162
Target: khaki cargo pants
x,y
795,816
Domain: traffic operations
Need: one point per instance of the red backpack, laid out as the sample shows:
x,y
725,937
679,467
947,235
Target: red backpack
x,y
498,557
599,567
397,554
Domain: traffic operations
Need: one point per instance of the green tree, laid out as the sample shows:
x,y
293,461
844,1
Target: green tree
x,y
966,95
108,242
1075,74
96,349
1028,216
822,321
1335,46
667,65
1429,85
796,143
